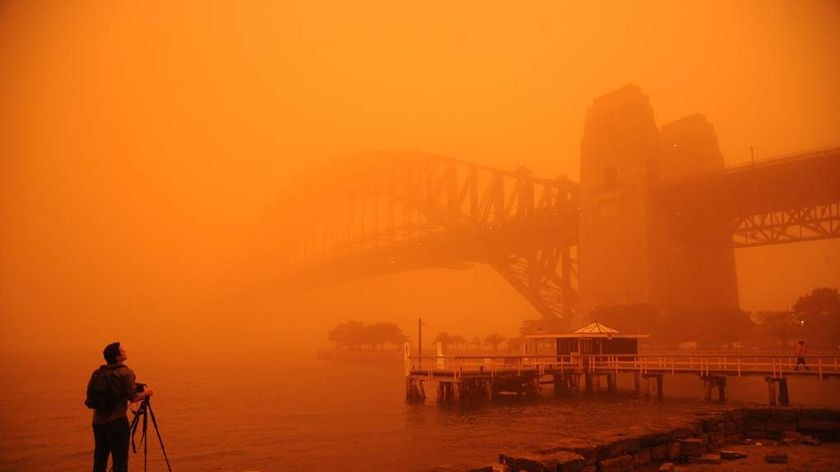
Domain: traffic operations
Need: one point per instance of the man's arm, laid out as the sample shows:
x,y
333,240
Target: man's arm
x,y
134,395
140,396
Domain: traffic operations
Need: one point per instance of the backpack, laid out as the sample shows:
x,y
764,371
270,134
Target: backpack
x,y
104,392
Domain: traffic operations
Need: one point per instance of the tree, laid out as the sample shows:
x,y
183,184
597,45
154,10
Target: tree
x,y
348,334
818,314
353,334
778,326
384,332
448,340
822,302
494,339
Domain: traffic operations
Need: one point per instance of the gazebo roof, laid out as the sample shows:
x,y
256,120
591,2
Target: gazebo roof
x,y
593,330
596,328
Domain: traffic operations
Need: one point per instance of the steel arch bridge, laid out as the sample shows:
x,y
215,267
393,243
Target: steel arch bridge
x,y
381,213
388,212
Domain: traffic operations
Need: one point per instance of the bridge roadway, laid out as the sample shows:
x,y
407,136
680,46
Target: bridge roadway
x,y
463,377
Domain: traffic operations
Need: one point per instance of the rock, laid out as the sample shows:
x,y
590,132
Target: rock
x,y
790,441
617,464
666,467
691,447
812,442
792,435
659,453
641,458
776,458
561,461
707,459
731,455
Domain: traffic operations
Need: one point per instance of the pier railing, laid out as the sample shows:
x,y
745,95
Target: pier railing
x,y
769,365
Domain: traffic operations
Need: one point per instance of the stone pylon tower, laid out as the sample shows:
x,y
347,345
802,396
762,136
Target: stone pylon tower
x,y
632,248
696,262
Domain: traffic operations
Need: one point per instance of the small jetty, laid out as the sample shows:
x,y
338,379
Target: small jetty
x,y
592,359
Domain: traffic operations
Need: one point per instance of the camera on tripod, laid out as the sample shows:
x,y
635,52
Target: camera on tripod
x,y
141,417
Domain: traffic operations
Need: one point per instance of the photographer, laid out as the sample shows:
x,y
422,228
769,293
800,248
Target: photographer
x,y
111,387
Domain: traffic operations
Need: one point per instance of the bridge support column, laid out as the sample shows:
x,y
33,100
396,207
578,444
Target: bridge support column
x,y
653,385
637,383
711,382
589,382
414,389
612,384
784,399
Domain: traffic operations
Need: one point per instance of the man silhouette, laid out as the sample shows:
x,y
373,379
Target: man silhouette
x,y
801,350
110,425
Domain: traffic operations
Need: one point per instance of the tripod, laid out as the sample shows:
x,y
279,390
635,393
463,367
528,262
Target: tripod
x,y
144,412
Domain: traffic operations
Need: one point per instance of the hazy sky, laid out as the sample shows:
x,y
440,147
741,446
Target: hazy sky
x,y
140,142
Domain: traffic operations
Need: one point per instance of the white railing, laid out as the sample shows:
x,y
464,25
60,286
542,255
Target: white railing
x,y
720,364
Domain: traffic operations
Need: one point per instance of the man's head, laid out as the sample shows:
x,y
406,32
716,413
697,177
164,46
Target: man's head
x,y
114,353
801,343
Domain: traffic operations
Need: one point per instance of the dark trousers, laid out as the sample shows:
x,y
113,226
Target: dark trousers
x,y
111,438
801,361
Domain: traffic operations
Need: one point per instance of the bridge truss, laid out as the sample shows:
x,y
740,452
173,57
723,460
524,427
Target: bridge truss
x,y
787,226
383,213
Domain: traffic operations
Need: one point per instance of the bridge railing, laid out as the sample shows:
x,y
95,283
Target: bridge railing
x,y
773,365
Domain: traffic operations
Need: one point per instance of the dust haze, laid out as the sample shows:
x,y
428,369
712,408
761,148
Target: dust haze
x,y
145,147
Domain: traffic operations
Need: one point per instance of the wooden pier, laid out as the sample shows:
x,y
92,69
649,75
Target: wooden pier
x,y
462,378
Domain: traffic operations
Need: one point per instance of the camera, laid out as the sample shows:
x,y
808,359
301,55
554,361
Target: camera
x,y
140,387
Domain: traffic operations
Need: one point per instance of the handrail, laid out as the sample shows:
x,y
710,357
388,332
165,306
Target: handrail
x,y
738,365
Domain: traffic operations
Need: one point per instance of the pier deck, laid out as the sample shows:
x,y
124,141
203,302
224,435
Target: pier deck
x,y
486,376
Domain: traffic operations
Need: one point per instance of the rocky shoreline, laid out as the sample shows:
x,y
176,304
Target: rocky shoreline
x,y
712,438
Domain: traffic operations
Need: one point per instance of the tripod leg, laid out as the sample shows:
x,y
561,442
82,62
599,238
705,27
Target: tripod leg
x,y
160,440
145,442
133,428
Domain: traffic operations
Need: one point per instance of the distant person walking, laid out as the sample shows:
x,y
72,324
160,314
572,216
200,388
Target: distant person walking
x,y
801,350
111,387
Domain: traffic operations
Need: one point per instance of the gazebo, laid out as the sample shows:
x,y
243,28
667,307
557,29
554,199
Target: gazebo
x,y
593,339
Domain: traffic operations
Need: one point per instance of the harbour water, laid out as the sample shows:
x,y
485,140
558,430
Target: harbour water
x,y
303,413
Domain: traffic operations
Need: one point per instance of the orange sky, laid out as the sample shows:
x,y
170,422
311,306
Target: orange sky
x,y
142,141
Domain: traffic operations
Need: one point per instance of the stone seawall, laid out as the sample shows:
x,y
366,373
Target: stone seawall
x,y
673,439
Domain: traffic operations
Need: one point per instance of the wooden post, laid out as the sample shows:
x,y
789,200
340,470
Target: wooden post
x,y
771,390
707,389
721,389
784,399
649,379
587,378
612,384
637,383
414,389
659,393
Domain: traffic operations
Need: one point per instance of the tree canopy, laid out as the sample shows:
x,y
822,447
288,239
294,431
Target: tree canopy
x,y
354,335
